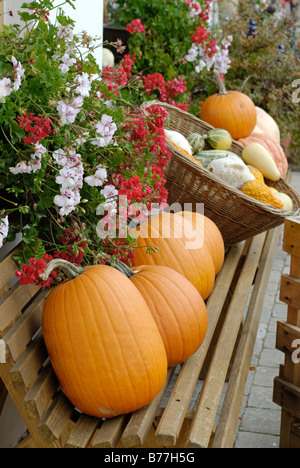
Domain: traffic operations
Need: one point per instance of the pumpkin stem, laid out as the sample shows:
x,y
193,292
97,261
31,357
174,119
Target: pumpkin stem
x,y
120,266
221,85
68,268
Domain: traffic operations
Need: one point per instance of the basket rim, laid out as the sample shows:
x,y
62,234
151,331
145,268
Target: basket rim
x,y
197,168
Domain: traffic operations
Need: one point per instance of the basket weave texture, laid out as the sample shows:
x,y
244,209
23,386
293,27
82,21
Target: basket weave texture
x,y
238,216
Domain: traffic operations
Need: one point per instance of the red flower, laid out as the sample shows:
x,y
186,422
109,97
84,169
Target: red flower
x,y
30,273
135,26
39,127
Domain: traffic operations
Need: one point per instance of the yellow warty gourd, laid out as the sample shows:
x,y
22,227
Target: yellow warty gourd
x,y
285,199
261,192
257,174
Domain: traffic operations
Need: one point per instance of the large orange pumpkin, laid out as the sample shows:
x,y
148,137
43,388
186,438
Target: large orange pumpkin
x,y
232,111
174,242
212,236
103,342
272,146
177,308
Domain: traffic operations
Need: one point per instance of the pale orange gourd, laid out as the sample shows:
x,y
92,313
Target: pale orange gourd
x,y
103,342
179,246
272,146
232,111
177,308
266,125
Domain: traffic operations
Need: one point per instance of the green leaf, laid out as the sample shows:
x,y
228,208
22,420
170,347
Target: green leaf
x,y
16,132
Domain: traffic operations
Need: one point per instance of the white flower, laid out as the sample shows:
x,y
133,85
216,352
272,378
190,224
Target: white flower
x,y
65,32
192,54
82,139
98,179
67,62
5,88
70,179
19,72
4,228
60,157
106,128
201,65
21,168
35,165
109,191
67,201
40,150
69,111
84,85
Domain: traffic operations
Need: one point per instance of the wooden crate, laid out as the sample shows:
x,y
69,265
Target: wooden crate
x,y
200,403
287,384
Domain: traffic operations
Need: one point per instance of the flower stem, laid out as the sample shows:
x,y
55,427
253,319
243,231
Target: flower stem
x,y
9,201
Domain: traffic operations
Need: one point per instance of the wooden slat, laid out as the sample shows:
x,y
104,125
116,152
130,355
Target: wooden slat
x,y
287,396
26,369
286,336
139,425
13,302
291,237
40,395
290,291
58,415
21,333
26,443
173,417
109,434
8,268
205,415
3,395
228,422
82,432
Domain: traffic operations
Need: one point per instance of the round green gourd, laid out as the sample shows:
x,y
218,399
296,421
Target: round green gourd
x,y
218,139
196,142
206,157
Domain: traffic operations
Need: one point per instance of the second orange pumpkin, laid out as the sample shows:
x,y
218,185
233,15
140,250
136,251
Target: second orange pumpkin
x,y
177,308
232,111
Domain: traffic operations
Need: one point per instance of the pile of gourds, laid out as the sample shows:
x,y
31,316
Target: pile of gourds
x,y
112,332
235,117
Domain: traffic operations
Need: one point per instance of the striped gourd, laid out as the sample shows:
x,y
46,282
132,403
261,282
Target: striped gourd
x,y
218,139
207,156
196,142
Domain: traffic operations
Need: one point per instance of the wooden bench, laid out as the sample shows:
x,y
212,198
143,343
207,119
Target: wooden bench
x,y
200,403
287,384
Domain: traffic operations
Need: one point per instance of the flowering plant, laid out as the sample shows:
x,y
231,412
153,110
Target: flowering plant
x,y
71,147
172,43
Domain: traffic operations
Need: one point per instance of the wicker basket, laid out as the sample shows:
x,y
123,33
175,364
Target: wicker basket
x,y
238,216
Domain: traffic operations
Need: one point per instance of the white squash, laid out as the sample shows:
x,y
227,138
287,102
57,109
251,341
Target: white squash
x,y
258,156
108,58
179,140
286,200
231,170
